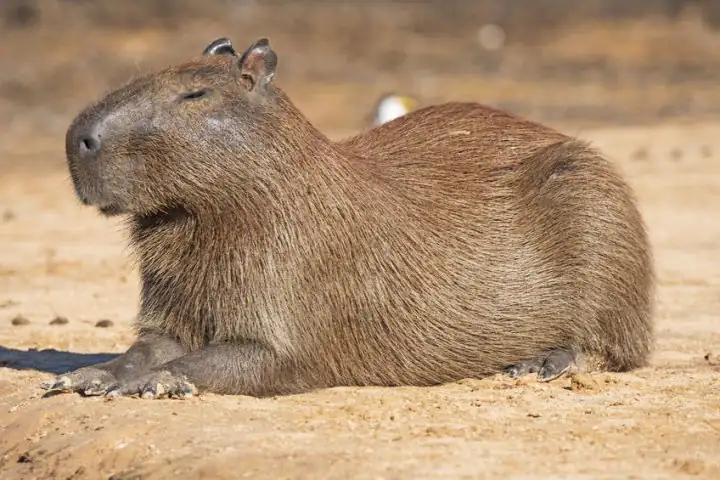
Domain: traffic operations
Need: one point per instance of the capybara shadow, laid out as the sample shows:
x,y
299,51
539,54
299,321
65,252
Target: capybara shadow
x,y
50,360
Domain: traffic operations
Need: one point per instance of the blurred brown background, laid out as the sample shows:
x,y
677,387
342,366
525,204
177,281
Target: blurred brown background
x,y
575,62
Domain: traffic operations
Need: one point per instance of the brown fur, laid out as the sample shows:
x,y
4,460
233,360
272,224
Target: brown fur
x,y
449,243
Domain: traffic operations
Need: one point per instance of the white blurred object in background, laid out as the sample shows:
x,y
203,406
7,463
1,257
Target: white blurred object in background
x,y
393,106
491,37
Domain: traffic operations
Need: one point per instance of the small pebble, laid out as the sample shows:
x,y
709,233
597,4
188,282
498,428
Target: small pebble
x,y
20,320
582,382
712,358
8,215
8,303
676,154
25,458
640,154
104,323
59,321
690,466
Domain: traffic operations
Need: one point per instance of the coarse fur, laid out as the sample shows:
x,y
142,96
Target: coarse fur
x,y
453,242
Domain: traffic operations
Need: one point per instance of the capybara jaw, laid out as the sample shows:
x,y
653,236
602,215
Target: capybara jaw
x,y
111,210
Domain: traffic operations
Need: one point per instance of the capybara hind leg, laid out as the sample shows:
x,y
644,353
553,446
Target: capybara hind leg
x,y
548,366
147,352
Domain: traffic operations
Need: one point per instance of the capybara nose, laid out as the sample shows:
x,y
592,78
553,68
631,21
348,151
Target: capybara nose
x,y
88,145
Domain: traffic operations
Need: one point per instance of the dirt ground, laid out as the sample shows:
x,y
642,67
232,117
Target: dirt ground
x,y
59,259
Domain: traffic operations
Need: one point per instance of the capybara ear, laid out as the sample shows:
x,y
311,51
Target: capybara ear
x,y
257,65
221,46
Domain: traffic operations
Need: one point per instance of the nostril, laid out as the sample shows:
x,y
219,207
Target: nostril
x,y
89,145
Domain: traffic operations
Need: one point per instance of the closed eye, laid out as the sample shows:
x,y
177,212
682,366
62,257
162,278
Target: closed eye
x,y
195,95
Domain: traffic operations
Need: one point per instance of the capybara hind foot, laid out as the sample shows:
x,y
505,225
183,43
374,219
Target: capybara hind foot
x,y
155,384
548,366
88,381
520,369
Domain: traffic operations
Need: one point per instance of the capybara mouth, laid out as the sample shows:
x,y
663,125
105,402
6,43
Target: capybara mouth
x,y
162,216
111,210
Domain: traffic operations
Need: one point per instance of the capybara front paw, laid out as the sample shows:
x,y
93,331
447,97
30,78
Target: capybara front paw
x,y
156,384
548,366
88,381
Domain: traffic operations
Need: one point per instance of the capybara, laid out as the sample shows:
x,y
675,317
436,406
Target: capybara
x,y
457,241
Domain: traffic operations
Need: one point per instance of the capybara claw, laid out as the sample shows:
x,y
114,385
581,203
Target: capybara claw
x,y
88,381
155,385
523,368
548,366
96,388
62,384
556,364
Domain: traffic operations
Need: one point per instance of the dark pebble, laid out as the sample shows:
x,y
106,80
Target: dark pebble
x,y
25,458
20,320
8,303
104,323
640,154
59,321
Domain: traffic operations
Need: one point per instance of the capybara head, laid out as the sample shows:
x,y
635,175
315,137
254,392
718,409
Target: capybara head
x,y
142,149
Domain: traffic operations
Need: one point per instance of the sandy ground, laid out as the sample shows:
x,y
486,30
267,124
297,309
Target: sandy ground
x,y
58,259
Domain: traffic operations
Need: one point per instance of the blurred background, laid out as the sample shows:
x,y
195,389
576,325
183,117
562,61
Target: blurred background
x,y
569,62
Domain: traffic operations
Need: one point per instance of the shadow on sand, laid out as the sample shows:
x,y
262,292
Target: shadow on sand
x,y
50,361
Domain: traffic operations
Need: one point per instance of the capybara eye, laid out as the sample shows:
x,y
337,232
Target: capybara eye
x,y
195,95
